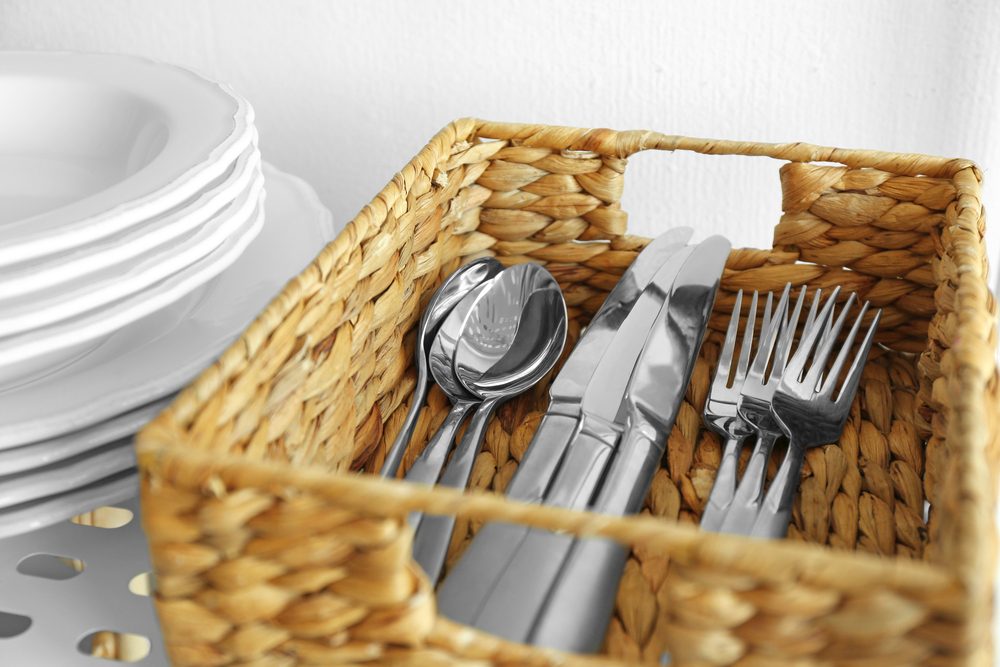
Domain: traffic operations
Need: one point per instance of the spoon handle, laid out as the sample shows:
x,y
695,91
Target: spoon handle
x,y
395,456
427,468
430,545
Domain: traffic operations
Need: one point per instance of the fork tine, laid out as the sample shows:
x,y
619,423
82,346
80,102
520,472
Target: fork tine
x,y
813,309
788,332
823,350
729,345
834,375
814,327
768,336
857,366
744,362
766,322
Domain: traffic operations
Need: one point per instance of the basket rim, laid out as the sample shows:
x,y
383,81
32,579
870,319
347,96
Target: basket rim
x,y
811,563
163,444
623,143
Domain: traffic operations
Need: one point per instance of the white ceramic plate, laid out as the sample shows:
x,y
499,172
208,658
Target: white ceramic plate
x,y
46,452
63,303
93,144
25,355
66,475
61,268
160,353
47,511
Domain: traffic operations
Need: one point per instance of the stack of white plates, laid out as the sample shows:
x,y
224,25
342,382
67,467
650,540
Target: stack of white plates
x,y
135,244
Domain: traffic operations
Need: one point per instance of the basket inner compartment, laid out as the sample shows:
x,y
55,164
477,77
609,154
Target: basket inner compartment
x,y
866,230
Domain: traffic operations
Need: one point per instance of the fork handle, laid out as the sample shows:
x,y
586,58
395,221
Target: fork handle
x,y
725,485
395,456
746,502
776,511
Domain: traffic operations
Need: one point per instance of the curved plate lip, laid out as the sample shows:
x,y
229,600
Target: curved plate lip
x,y
143,275
26,458
65,227
111,490
146,238
72,473
118,378
104,321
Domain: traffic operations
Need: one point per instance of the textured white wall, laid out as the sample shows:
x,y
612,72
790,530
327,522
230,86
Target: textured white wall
x,y
347,92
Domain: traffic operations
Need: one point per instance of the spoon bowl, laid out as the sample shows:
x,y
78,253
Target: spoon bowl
x,y
519,329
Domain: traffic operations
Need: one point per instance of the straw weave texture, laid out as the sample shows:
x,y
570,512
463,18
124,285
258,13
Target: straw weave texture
x,y
271,550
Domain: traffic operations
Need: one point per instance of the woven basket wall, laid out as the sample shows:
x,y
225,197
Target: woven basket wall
x,y
270,550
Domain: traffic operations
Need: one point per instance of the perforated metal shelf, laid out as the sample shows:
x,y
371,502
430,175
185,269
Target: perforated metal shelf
x,y
66,608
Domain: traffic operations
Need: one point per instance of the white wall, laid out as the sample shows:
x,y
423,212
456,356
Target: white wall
x,y
347,92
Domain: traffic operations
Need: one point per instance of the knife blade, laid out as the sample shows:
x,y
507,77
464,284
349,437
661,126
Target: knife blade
x,y
579,606
525,577
566,392
470,579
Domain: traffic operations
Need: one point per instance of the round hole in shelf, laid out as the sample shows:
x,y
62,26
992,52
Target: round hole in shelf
x,y
104,517
141,584
50,566
12,625
116,646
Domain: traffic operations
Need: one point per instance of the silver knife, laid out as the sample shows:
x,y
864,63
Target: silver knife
x,y
469,581
556,429
523,586
466,584
579,607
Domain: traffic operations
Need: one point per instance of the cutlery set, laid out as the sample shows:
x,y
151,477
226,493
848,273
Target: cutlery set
x,y
490,333
780,393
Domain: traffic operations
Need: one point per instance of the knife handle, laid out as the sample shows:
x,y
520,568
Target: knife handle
x,y
541,460
580,602
519,594
471,579
632,469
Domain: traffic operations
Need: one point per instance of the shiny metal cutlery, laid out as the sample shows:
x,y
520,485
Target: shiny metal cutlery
x,y
470,580
519,593
512,338
758,388
721,414
427,468
579,606
805,407
453,290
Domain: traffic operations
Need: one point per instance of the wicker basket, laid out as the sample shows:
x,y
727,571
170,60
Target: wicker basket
x,y
270,551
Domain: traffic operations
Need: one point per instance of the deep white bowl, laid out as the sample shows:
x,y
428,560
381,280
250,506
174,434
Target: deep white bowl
x,y
91,145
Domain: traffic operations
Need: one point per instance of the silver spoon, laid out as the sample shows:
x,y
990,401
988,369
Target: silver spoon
x,y
427,468
512,338
454,288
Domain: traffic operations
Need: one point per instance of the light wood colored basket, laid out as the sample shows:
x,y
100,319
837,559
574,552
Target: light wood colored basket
x,y
270,550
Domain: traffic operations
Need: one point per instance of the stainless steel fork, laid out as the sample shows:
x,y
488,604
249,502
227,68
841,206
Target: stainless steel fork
x,y
721,413
806,410
755,408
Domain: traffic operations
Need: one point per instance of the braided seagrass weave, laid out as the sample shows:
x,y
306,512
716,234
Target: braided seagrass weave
x,y
271,551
